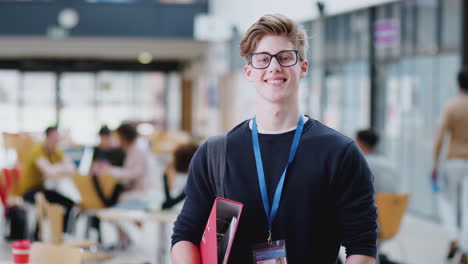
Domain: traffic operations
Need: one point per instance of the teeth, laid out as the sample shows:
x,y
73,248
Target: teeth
x,y
275,81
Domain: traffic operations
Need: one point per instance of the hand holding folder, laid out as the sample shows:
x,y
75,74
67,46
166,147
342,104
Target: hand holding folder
x,y
220,231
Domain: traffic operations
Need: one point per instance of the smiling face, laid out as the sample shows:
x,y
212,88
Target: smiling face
x,y
276,84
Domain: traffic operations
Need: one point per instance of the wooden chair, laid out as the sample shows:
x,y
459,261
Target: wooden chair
x,y
22,144
164,143
54,213
42,253
391,208
89,198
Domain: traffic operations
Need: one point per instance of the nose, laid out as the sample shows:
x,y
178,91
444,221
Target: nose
x,y
274,65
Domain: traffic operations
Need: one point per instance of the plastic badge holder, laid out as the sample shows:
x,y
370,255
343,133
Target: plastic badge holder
x,y
21,251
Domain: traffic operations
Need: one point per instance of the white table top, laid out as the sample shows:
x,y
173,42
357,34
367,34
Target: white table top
x,y
115,214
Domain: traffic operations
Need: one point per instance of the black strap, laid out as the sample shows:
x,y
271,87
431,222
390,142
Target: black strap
x,y
118,189
170,201
216,155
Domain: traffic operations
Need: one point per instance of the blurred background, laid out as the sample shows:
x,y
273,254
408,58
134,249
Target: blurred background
x,y
173,67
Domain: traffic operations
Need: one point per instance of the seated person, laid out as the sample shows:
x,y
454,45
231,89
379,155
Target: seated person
x,y
175,177
105,152
386,179
46,168
134,175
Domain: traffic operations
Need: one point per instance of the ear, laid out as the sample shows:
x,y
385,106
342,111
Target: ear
x,y
248,71
304,69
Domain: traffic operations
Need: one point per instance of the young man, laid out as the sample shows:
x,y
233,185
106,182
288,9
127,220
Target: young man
x,y
327,195
47,166
455,123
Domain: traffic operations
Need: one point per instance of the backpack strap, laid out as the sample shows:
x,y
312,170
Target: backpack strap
x,y
216,156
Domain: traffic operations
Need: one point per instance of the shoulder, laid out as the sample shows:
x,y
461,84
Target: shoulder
x,y
38,151
455,103
200,155
324,137
239,130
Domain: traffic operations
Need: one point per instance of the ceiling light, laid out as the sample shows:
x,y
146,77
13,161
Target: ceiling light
x,y
145,57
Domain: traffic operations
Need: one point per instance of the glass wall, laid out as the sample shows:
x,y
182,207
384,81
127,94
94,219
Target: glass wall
x,y
345,98
417,56
412,90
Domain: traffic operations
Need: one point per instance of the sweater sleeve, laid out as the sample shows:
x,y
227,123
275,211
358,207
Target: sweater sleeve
x,y
355,209
191,221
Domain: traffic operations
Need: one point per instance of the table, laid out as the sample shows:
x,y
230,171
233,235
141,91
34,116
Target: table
x,y
117,215
162,217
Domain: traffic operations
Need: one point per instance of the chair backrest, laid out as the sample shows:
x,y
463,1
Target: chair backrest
x,y
10,140
22,144
390,207
89,197
42,253
164,143
54,214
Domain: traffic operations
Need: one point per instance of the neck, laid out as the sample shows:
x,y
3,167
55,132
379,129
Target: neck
x,y
273,117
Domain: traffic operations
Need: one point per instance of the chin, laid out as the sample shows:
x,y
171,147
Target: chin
x,y
275,98
275,95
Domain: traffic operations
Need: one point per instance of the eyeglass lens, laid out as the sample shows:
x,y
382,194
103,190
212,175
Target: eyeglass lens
x,y
285,58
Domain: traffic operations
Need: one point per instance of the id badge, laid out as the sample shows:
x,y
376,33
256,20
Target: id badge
x,y
274,253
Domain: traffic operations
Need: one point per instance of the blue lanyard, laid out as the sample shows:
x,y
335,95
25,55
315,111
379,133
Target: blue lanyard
x,y
271,214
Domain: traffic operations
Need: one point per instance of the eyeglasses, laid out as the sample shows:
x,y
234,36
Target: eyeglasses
x,y
285,58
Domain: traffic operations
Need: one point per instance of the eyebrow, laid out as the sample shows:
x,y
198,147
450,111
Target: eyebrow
x,y
272,53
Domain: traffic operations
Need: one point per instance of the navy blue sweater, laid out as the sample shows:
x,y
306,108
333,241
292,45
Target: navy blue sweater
x,y
327,197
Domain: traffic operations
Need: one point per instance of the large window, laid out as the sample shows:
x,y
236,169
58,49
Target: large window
x,y
77,106
38,101
9,96
80,102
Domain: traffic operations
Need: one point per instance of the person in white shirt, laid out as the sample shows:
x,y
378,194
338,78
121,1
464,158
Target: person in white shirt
x,y
134,175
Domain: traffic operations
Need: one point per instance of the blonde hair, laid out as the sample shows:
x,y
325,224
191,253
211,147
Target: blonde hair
x,y
277,25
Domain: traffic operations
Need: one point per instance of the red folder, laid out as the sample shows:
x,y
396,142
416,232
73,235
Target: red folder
x,y
216,242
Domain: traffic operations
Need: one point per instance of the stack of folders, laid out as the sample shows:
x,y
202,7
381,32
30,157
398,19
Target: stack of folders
x,y
220,231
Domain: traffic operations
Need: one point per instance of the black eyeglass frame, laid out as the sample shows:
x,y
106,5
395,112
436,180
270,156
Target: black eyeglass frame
x,y
298,57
